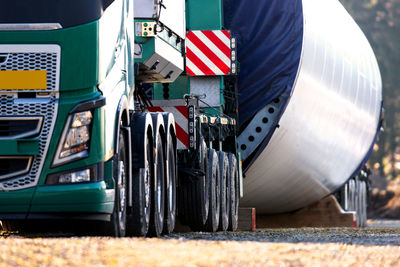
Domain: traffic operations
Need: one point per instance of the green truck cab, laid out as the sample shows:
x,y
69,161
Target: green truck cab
x,y
77,138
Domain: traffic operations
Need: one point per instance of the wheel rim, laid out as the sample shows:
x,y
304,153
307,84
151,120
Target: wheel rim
x,y
217,190
147,193
236,188
170,193
121,189
159,177
227,191
205,181
158,195
170,185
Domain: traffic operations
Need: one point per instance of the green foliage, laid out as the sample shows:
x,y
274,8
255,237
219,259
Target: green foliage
x,y
380,21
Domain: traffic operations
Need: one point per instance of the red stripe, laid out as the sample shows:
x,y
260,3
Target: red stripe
x,y
189,71
155,109
182,135
227,34
199,64
218,43
183,110
208,53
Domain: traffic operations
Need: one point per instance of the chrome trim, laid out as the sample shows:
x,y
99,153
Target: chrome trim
x,y
17,173
30,27
25,134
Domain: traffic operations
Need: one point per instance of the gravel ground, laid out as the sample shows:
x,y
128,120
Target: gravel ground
x,y
374,246
349,236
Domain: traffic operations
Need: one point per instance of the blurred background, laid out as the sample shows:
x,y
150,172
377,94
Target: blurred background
x,y
380,21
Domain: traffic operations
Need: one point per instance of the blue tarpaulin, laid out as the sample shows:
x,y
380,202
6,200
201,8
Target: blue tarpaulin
x,y
269,38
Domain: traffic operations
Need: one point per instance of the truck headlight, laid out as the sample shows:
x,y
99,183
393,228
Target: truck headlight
x,y
75,139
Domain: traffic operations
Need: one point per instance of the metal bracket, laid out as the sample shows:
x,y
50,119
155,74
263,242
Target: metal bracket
x,y
259,127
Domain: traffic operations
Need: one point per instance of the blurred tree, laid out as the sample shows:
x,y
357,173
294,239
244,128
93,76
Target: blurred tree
x,y
380,21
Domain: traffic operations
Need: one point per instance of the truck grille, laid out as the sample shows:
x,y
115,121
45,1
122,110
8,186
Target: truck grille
x,y
33,107
33,57
14,166
32,115
19,127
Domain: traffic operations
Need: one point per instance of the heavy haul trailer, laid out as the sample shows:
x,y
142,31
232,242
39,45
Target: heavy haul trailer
x,y
82,139
308,95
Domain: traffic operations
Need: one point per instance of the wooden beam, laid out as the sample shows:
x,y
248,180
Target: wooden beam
x,y
247,219
325,213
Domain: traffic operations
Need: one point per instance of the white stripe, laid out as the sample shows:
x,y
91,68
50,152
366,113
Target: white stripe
x,y
180,145
203,57
193,67
213,48
223,38
182,122
179,118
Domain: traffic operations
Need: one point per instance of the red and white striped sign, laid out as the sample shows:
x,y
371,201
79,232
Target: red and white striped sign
x,y
208,53
181,116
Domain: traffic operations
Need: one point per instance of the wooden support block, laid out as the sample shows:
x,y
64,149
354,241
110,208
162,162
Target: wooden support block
x,y
325,213
247,219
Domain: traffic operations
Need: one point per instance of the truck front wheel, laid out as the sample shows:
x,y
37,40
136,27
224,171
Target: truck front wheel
x,y
117,225
138,221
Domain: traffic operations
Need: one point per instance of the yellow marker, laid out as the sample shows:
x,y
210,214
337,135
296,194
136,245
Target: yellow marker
x,y
223,121
23,80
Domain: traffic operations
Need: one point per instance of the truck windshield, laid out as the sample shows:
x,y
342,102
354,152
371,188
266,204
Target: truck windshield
x,y
67,13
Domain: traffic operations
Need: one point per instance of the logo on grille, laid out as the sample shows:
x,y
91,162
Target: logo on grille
x,y
3,58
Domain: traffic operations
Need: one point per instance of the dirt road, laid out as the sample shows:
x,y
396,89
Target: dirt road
x,y
374,246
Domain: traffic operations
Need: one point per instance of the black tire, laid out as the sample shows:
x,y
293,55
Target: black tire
x,y
194,194
116,227
363,203
233,188
357,199
170,187
202,188
224,192
214,197
139,220
158,189
352,191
